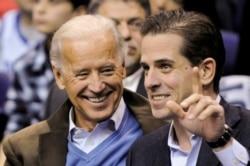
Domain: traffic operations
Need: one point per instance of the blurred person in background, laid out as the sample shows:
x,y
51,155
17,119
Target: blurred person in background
x,y
6,5
18,37
32,72
165,5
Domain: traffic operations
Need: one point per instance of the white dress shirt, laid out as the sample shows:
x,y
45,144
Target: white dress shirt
x,y
131,82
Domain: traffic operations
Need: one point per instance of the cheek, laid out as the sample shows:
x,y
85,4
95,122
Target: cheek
x,y
184,86
177,81
63,16
74,85
116,80
120,73
172,80
137,38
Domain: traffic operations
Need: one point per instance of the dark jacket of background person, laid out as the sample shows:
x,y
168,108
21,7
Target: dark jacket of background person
x,y
242,62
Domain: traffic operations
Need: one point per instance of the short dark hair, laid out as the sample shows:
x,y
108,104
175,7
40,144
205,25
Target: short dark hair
x,y
202,38
77,3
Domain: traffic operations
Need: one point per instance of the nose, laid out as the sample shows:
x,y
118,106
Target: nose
x,y
96,84
152,80
125,31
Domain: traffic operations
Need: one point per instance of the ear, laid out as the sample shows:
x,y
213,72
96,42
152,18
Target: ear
x,y
81,10
207,71
58,78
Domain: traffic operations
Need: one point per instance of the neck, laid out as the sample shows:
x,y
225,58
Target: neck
x,y
182,136
85,124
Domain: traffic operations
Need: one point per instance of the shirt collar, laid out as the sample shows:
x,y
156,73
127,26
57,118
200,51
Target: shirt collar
x,y
116,118
218,99
131,82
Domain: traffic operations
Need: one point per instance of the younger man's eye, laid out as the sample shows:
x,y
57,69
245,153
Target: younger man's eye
x,y
165,67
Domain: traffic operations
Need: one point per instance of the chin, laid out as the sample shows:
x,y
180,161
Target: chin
x,y
157,114
162,114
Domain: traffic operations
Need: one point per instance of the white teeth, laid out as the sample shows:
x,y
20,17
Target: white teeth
x,y
97,99
159,97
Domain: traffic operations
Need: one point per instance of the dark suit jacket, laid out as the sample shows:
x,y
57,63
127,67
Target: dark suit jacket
x,y
45,143
153,149
56,97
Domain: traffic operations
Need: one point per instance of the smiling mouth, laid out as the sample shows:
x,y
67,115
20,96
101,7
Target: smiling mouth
x,y
97,99
160,97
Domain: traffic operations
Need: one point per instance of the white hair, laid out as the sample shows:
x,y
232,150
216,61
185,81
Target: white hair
x,y
80,27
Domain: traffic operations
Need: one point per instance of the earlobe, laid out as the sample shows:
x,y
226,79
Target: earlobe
x,y
58,78
207,71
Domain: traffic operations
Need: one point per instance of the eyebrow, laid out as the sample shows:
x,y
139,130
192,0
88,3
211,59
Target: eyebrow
x,y
86,69
165,61
129,20
159,61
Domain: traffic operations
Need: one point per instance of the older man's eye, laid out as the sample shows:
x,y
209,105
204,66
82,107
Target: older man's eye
x,y
81,75
108,71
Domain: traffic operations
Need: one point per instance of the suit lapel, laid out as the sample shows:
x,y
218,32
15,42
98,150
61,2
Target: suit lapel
x,y
206,156
53,148
53,145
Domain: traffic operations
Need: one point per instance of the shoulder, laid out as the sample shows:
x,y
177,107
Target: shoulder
x,y
155,139
151,149
23,145
134,98
137,103
28,134
238,119
235,114
11,16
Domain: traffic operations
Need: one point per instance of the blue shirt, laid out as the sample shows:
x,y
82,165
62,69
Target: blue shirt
x,y
87,141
